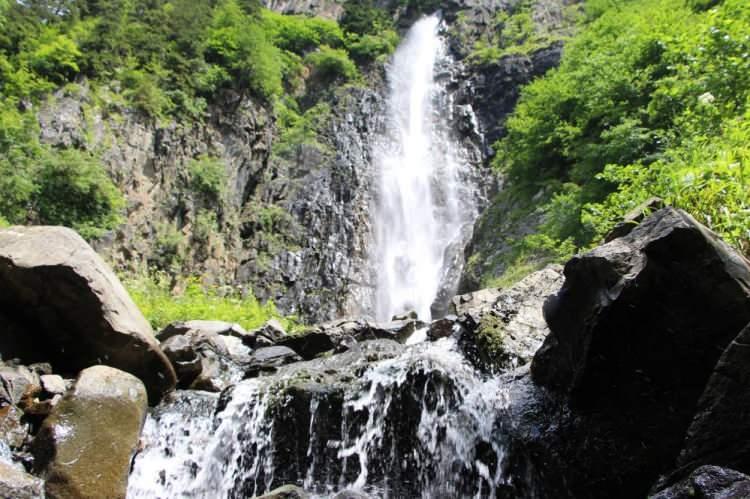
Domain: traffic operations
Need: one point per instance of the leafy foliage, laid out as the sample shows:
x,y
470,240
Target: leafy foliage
x,y
651,99
43,185
162,302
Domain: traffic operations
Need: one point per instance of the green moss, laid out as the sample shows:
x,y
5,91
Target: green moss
x,y
490,340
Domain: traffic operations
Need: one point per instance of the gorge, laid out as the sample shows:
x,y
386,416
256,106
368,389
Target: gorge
x,y
363,249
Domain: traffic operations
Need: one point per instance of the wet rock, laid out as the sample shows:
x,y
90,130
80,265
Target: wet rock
x,y
442,328
223,362
511,330
350,494
75,308
17,383
17,484
286,492
13,431
405,316
53,384
720,431
476,302
268,359
85,446
309,345
208,328
636,331
709,482
185,360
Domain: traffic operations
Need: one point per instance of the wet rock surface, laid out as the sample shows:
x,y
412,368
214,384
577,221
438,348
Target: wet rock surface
x,y
85,446
63,295
635,333
709,482
17,484
720,432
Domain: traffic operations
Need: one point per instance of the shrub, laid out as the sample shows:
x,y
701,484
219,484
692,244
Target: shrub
x,y
74,190
332,64
207,176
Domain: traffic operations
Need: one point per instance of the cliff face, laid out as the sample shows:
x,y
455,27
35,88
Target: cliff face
x,y
291,223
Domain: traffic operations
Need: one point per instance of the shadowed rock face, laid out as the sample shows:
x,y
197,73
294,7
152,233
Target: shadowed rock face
x,y
720,431
710,482
635,333
56,289
85,446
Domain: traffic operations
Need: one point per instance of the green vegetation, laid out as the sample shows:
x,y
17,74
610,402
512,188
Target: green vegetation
x,y
208,177
162,303
40,185
651,99
168,59
515,33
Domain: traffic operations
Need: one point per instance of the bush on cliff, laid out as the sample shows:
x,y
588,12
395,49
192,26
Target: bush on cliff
x,y
651,99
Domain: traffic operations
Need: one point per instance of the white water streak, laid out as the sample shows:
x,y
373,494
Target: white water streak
x,y
418,214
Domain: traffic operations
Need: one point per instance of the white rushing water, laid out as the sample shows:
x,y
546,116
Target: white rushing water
x,y
422,423
422,205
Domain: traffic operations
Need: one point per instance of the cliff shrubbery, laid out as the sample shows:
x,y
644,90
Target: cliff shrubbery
x,y
651,99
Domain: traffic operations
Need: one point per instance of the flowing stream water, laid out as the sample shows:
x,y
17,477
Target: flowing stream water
x,y
384,419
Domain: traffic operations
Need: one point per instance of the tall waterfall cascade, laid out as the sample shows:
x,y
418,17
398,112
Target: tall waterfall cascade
x,y
424,201
384,419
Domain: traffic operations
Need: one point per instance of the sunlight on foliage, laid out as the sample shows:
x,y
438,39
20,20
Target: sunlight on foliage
x,y
651,99
161,303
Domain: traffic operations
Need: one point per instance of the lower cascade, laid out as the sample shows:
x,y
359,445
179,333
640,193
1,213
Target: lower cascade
x,y
384,419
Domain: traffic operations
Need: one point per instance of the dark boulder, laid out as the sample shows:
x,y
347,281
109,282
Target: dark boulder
x,y
59,292
185,360
442,328
720,431
709,482
201,327
269,359
309,345
635,333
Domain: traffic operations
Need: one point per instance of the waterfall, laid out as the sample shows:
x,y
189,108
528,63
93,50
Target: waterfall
x,y
423,205
384,419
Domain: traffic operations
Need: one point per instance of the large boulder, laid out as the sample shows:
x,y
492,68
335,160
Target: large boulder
x,y
85,447
59,292
636,331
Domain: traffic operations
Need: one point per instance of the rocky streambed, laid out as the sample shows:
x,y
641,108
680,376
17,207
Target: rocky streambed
x,y
621,375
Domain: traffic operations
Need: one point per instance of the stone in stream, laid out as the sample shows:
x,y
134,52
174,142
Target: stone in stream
x,y
17,484
59,293
85,446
